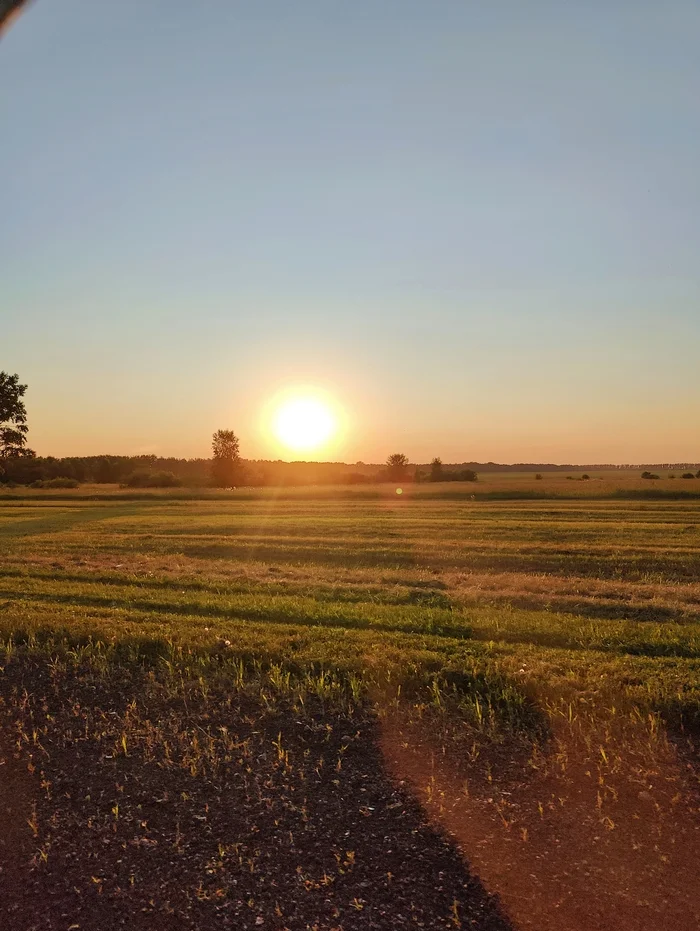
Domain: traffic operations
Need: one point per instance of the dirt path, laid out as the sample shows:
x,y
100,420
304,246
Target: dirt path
x,y
568,851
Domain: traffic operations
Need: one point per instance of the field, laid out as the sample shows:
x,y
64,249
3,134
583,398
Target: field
x,y
454,707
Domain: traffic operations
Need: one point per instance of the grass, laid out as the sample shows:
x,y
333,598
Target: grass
x,y
374,586
521,638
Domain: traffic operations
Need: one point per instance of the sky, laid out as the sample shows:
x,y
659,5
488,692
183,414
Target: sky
x,y
474,226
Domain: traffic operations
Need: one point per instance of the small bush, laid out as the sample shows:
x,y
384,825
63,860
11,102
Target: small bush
x,y
538,476
152,480
650,475
585,477
688,475
59,482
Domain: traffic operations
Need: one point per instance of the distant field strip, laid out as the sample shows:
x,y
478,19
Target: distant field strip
x,y
649,542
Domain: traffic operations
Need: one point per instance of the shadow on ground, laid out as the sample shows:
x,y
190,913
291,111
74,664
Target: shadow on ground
x,y
160,809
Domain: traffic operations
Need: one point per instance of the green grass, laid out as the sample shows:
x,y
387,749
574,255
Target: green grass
x,y
591,600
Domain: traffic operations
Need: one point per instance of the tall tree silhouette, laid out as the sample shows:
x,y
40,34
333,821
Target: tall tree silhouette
x,y
226,467
397,467
13,418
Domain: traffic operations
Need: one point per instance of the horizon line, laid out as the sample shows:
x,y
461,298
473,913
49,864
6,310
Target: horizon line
x,y
527,465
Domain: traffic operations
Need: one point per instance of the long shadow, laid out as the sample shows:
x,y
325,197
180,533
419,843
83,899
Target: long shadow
x,y
56,523
603,611
605,566
428,594
397,866
429,628
309,555
608,566
257,615
559,641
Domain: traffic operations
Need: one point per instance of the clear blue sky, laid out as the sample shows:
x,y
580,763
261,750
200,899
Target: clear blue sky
x,y
476,224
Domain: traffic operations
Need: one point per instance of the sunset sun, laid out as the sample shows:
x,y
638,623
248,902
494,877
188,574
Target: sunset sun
x,y
304,423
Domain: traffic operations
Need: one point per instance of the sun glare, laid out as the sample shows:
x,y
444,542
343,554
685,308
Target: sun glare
x,y
304,423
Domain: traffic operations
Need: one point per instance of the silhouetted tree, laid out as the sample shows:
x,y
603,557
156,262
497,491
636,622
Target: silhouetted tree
x,y
436,470
226,461
13,418
397,467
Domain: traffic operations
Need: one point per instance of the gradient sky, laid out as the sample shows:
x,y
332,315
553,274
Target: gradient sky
x,y
475,224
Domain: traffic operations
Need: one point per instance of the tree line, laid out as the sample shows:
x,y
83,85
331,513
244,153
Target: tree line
x,y
225,469
150,471
399,469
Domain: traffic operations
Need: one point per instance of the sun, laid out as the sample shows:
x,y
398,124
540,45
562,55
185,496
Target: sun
x,y
304,423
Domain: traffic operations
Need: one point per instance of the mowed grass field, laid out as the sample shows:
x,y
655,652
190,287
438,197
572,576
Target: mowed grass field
x,y
353,579
518,660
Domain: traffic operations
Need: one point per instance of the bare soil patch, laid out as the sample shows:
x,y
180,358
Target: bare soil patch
x,y
165,808
583,838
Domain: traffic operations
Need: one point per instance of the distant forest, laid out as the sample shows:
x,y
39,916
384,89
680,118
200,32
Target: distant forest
x,y
197,472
